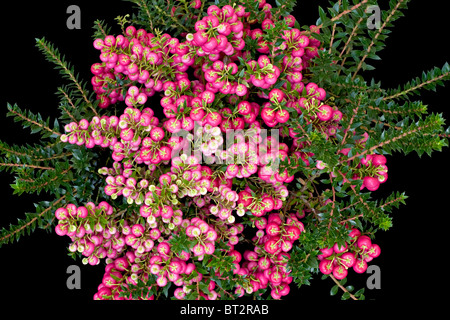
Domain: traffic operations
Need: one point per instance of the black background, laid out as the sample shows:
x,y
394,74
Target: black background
x,y
412,263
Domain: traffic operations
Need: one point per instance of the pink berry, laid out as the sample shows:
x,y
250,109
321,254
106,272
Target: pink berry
x,y
165,153
157,134
244,108
367,160
272,229
61,214
282,116
374,251
364,242
137,230
337,115
326,266
371,183
163,248
354,233
382,177
214,119
130,31
98,44
276,95
82,212
325,113
268,114
293,233
121,264
326,252
339,249
272,245
378,159
61,229
348,259
340,272
360,266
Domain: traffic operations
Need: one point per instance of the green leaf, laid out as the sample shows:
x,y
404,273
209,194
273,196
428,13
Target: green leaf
x,y
334,290
166,289
345,295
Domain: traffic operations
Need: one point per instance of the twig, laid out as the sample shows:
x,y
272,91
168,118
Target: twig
x,y
34,122
32,220
344,13
375,38
388,141
25,165
416,87
342,287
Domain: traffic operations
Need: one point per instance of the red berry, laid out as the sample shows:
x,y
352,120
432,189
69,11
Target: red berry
x,y
61,214
326,266
378,159
364,242
374,251
339,249
272,245
348,259
282,116
272,229
371,183
354,233
244,108
268,203
325,113
267,114
245,198
340,272
326,252
293,233
360,266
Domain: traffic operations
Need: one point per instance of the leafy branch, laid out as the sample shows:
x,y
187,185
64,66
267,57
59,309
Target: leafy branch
x,y
429,81
30,120
393,15
41,218
53,55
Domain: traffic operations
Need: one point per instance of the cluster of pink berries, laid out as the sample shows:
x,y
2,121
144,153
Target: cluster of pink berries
x,y
114,132
92,229
376,171
150,255
261,204
153,173
354,254
136,251
372,169
266,265
140,57
219,31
